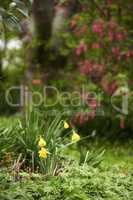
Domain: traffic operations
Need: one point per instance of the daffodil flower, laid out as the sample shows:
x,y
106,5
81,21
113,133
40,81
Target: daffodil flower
x,y
66,125
75,137
42,142
43,153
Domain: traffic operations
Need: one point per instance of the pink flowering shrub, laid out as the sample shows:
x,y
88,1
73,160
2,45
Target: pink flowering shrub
x,y
102,46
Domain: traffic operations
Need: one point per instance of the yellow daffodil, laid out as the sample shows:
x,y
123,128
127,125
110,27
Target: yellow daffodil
x,y
43,153
42,142
75,137
66,125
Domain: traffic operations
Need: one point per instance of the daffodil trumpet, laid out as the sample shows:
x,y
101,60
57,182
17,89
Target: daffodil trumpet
x,y
66,125
75,137
42,142
43,153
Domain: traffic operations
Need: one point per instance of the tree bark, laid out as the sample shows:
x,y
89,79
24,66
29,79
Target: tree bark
x,y
42,12
40,52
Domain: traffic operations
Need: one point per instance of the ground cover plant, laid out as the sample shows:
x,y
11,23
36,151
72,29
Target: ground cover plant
x,y
74,182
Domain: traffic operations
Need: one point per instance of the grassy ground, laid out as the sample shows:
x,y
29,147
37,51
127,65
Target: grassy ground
x,y
121,155
116,154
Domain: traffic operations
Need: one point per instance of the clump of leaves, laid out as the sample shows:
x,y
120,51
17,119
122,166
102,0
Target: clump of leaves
x,y
28,132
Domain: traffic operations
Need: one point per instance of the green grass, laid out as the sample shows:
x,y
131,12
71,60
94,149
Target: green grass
x,y
8,121
117,154
121,156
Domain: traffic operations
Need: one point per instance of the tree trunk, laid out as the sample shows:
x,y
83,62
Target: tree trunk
x,y
39,54
42,11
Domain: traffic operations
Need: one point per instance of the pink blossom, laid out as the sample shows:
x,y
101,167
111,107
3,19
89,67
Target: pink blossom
x,y
93,104
81,48
98,27
85,67
120,36
95,46
129,54
91,115
111,36
81,119
116,52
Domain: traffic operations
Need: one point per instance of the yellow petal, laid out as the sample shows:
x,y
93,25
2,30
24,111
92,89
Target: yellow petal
x,y
42,142
43,153
66,125
75,137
